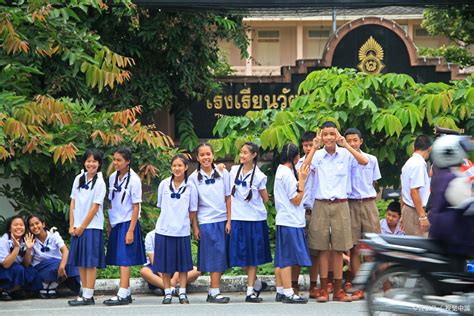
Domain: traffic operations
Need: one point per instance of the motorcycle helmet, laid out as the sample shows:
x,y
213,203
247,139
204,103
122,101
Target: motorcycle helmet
x,y
450,150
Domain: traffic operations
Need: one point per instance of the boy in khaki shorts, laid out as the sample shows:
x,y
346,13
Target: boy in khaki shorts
x,y
364,211
330,222
416,189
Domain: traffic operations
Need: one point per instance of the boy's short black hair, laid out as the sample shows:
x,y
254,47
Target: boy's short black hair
x,y
394,207
308,136
328,124
352,131
422,142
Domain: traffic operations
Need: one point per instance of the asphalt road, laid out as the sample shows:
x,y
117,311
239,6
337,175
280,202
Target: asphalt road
x,y
151,305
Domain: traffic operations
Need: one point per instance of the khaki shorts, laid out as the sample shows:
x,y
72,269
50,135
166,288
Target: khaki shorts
x,y
411,222
307,218
330,227
364,218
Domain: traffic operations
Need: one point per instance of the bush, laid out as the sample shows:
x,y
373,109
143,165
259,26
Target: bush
x,y
389,109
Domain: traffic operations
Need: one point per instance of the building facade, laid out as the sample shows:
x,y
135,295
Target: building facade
x,y
281,38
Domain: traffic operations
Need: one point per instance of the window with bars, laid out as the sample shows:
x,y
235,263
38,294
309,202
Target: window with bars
x,y
318,33
421,32
268,36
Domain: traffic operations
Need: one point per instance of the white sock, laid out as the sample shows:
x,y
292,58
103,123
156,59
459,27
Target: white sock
x,y
280,289
87,293
214,291
45,286
288,292
129,292
182,290
257,285
168,291
122,292
53,285
249,290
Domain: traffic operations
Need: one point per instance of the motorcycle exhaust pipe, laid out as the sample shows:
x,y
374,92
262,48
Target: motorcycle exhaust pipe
x,y
396,306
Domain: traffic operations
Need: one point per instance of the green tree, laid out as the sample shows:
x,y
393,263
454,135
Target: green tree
x,y
457,23
44,141
390,110
176,60
41,132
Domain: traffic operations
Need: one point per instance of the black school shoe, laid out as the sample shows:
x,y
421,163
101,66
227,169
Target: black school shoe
x,y
43,294
253,298
217,299
81,301
167,299
5,296
279,297
183,298
264,286
52,294
294,299
117,300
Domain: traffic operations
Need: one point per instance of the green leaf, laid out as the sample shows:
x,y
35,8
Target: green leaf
x,y
470,96
340,96
369,104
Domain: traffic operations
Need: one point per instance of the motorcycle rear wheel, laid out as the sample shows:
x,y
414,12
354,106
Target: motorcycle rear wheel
x,y
396,286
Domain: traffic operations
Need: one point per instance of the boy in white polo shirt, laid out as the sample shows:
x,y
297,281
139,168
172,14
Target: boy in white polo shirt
x,y
364,211
416,189
330,227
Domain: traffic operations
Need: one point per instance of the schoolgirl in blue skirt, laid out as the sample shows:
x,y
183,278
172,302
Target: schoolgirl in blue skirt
x,y
50,255
291,248
249,244
177,199
213,215
16,252
86,224
125,247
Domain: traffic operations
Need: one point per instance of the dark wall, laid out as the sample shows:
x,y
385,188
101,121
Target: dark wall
x,y
396,58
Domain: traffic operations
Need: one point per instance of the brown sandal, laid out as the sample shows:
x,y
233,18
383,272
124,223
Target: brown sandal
x,y
357,295
341,296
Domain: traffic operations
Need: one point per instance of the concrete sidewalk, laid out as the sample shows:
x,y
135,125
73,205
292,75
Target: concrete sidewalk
x,y
151,305
228,284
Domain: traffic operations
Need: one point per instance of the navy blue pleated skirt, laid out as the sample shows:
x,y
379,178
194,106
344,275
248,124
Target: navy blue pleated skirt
x,y
19,275
212,252
48,271
249,244
87,250
121,254
291,247
172,254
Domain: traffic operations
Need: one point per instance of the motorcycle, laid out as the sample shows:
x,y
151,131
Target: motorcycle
x,y
415,276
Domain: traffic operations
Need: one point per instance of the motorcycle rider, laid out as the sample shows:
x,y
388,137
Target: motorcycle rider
x,y
449,189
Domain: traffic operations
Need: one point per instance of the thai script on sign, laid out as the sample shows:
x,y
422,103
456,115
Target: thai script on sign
x,y
248,101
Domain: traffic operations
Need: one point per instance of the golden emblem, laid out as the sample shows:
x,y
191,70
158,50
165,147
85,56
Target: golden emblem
x,y
370,57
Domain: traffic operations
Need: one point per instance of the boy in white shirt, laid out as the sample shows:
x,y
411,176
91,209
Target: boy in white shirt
x,y
416,189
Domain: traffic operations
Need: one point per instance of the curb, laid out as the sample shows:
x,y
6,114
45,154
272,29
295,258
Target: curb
x,y
228,284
